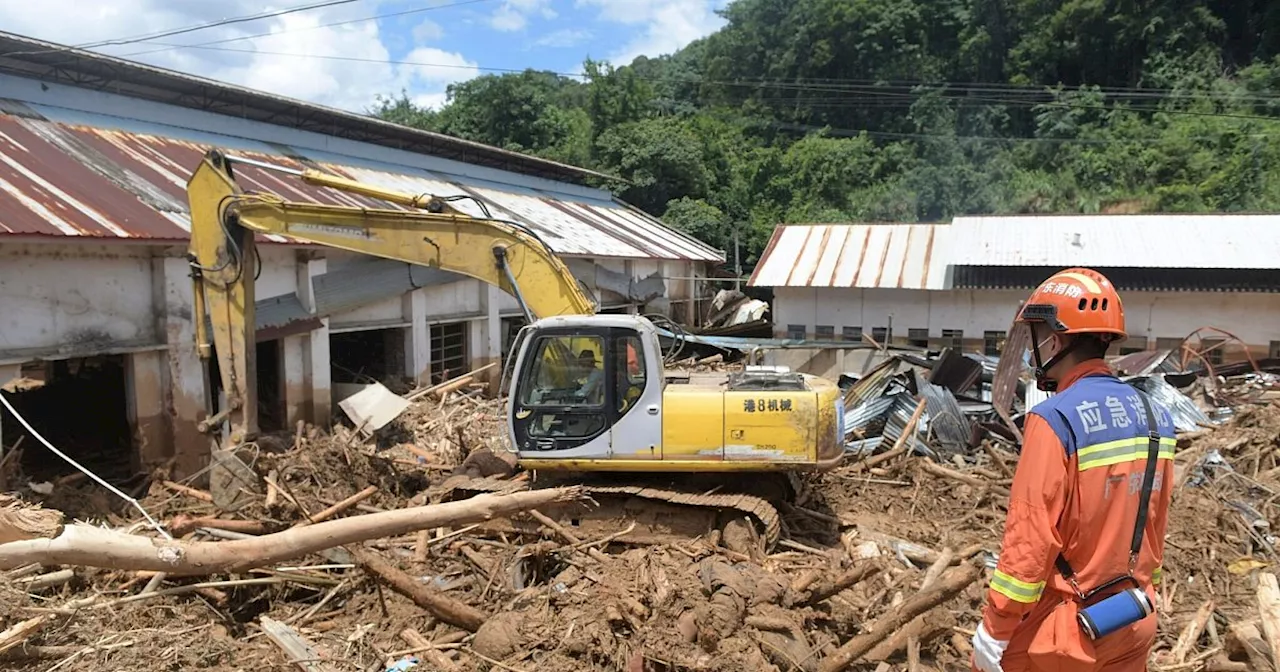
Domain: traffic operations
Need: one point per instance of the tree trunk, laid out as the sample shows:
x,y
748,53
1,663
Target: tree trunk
x,y
90,546
946,588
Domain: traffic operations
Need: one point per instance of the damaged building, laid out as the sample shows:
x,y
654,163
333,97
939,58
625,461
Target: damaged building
x,y
95,293
1211,277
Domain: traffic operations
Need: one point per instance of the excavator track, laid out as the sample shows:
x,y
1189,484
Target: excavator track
x,y
765,517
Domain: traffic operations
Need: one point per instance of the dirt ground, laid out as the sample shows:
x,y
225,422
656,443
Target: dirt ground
x,y
622,605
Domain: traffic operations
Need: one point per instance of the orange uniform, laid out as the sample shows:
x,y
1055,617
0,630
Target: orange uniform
x,y
1076,492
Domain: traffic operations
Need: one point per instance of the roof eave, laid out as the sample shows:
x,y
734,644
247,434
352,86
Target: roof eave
x,y
47,61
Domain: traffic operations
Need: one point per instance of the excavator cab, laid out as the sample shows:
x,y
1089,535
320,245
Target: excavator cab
x,y
586,386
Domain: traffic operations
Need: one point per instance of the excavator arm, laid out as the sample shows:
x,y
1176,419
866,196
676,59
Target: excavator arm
x,y
224,219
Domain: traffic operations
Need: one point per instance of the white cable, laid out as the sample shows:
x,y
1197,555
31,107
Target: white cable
x,y
116,491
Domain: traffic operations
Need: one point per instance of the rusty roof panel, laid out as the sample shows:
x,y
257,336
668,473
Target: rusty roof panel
x,y
93,179
853,255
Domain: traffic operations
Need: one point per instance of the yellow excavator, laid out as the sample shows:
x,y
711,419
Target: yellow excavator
x,y
590,400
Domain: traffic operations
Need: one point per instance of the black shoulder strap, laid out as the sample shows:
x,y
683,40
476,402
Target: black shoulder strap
x,y
1144,503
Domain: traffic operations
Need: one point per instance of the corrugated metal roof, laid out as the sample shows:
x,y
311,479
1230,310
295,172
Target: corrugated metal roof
x,y
1133,241
59,64
853,255
94,180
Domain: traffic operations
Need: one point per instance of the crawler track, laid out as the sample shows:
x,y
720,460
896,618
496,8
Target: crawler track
x,y
762,513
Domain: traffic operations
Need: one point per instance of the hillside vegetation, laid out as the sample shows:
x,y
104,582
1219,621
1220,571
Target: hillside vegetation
x,y
912,110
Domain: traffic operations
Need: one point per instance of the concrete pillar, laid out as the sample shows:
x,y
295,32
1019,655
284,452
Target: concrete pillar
x,y
417,340
314,351
485,345
691,312
145,383
298,394
186,399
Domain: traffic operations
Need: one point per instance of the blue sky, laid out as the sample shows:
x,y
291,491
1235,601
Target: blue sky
x,y
346,54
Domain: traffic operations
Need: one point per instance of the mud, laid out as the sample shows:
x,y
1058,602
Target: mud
x,y
683,601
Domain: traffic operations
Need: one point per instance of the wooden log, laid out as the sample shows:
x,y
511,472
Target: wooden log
x,y
20,520
828,589
917,628
910,550
441,389
50,580
182,525
301,652
188,491
441,606
90,546
22,631
875,460
1269,611
996,457
923,629
32,652
1245,639
340,506
565,534
1191,634
947,587
429,651
936,469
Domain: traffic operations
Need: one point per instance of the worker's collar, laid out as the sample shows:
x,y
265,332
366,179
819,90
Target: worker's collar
x,y
1089,367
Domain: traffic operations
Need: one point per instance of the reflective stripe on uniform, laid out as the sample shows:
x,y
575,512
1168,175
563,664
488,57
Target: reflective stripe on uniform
x,y
1156,575
1123,450
1016,590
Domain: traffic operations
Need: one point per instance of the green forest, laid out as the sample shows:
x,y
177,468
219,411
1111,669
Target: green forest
x,y
911,110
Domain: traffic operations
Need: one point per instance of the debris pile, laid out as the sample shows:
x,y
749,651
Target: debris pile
x,y
352,557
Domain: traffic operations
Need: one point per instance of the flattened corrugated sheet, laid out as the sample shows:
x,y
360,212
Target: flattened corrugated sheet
x,y
1118,241
93,180
853,255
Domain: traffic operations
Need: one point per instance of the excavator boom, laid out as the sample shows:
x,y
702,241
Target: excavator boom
x,y
224,219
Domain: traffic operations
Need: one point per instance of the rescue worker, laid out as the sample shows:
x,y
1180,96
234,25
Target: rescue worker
x,y
1075,496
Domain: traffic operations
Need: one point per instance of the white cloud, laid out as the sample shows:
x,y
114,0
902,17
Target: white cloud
x,y
427,31
666,25
565,37
507,19
513,15
256,63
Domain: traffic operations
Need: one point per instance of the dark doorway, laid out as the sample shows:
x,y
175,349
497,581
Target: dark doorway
x,y
371,354
82,410
271,416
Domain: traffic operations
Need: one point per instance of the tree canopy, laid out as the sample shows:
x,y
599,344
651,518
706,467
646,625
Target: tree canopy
x,y
911,110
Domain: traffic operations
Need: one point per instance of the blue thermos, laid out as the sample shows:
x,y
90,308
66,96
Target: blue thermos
x,y
1117,611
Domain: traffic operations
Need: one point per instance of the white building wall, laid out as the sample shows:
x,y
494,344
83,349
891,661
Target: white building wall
x,y
279,273
1253,317
57,298
138,299
384,313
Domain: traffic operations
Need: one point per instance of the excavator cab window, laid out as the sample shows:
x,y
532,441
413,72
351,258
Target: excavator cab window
x,y
629,370
564,387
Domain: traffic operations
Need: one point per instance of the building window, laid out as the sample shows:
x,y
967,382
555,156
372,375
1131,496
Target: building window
x,y
511,327
825,332
953,338
1214,355
1274,351
448,351
880,335
918,337
992,343
795,332
1130,351
852,334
